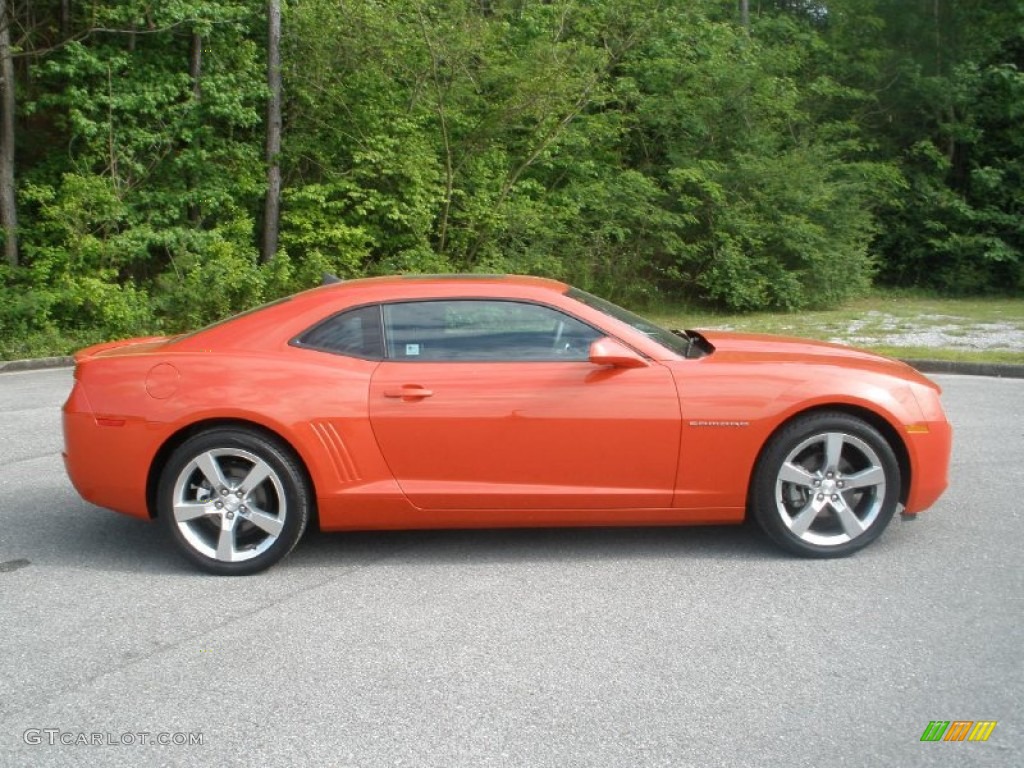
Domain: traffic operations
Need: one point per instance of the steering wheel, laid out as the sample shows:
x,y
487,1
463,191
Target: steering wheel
x,y
559,330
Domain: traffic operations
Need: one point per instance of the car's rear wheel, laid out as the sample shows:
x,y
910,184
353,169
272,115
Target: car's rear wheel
x,y
827,484
234,501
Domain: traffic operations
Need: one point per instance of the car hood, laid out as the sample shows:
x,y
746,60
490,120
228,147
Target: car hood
x,y
763,348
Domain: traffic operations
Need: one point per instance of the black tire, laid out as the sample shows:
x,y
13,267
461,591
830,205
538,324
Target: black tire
x,y
234,501
827,484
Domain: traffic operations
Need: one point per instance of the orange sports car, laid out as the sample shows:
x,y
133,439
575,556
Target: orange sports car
x,y
493,401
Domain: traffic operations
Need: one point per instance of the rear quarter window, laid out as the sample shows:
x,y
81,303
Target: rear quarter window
x,y
353,333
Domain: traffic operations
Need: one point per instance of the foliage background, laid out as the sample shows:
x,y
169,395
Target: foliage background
x,y
643,149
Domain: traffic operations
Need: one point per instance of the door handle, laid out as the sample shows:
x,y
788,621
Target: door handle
x,y
409,392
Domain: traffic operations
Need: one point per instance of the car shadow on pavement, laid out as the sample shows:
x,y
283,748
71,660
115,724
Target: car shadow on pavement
x,y
70,533
534,545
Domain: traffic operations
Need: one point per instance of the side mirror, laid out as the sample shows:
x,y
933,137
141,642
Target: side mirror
x,y
606,351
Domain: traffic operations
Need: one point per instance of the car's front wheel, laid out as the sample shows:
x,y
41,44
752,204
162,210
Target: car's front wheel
x,y
234,501
827,484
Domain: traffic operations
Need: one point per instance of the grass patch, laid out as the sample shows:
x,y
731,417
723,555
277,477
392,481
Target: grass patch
x,y
945,353
979,330
51,343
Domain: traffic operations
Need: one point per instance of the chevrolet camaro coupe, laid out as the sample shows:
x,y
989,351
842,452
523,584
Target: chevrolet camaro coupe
x,y
493,401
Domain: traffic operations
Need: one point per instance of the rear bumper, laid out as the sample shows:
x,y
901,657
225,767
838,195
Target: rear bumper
x,y
107,459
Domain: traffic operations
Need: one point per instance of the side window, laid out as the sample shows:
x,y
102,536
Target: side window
x,y
356,333
484,330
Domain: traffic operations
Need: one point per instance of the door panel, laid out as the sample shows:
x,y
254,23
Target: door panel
x,y
527,436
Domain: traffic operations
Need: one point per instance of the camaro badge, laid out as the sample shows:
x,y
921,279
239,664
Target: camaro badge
x,y
719,423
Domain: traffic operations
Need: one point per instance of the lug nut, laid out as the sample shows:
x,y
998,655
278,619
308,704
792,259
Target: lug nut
x,y
835,497
223,491
238,494
817,483
219,504
821,496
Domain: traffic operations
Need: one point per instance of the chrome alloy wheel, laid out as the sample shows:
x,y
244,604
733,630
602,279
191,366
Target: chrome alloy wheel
x,y
229,504
830,488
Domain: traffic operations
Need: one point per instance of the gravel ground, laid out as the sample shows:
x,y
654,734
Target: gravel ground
x,y
879,328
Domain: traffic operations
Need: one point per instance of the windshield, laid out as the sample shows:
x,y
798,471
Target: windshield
x,y
678,344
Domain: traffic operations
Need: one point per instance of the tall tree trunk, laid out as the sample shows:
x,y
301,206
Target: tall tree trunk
x,y
8,207
195,72
745,13
65,19
272,209
195,65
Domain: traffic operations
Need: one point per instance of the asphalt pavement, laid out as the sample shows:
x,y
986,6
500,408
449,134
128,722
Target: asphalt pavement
x,y
631,647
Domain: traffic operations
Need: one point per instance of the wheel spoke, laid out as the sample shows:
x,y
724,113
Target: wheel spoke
x,y
866,478
833,450
267,523
208,465
190,510
260,471
226,541
852,525
805,517
793,473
